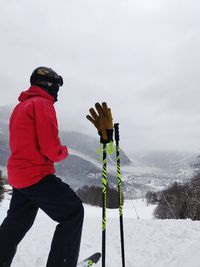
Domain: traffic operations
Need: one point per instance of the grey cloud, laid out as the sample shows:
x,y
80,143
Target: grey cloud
x,y
141,56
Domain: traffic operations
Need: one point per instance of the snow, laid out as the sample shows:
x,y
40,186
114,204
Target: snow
x,y
148,242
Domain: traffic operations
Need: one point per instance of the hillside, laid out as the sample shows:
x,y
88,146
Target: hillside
x,y
148,242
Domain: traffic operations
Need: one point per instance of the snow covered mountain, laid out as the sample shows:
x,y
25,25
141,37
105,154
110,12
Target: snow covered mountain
x,y
143,172
173,162
160,168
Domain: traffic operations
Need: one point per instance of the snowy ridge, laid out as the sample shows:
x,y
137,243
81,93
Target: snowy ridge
x,y
86,157
98,164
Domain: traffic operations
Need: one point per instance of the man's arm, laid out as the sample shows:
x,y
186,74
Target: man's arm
x,y
47,132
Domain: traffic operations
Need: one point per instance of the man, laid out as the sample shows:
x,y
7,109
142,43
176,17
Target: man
x,y
35,146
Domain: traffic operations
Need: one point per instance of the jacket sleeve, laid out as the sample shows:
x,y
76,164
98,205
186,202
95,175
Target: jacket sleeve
x,y
47,132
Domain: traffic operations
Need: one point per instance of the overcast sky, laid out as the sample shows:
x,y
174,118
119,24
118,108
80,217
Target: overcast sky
x,y
141,56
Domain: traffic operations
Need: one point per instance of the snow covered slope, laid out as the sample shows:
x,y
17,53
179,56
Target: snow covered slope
x,y
148,242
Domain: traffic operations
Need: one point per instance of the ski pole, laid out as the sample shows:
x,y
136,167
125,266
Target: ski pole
x,y
116,127
104,196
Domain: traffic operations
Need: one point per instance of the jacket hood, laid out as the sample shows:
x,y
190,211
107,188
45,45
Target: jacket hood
x,y
35,91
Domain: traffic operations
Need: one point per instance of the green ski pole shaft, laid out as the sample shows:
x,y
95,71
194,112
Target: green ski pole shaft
x,y
116,127
104,199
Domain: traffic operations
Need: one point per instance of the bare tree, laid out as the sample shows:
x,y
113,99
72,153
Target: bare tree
x,y
93,195
180,201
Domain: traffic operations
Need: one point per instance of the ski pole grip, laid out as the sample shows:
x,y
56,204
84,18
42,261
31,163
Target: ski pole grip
x,y
116,127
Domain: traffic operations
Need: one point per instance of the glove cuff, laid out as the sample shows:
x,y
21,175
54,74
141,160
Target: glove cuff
x,y
109,135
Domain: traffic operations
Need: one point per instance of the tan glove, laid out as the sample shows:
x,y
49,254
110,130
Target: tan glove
x,y
102,120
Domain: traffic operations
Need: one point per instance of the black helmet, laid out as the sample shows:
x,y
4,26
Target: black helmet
x,y
47,79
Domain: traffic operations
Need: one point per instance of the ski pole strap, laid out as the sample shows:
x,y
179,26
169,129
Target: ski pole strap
x,y
109,149
99,152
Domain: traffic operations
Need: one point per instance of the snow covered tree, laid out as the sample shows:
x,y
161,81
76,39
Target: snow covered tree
x,y
151,197
171,203
180,201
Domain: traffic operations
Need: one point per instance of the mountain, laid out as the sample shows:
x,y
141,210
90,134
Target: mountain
x,y
145,171
158,169
5,112
87,147
169,163
196,164
4,133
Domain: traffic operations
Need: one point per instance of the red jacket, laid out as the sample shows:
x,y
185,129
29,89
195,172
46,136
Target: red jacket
x,y
34,140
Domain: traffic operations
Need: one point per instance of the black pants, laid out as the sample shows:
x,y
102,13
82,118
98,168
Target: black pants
x,y
60,203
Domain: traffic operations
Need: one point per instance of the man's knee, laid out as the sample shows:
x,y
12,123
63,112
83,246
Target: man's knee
x,y
78,211
73,212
